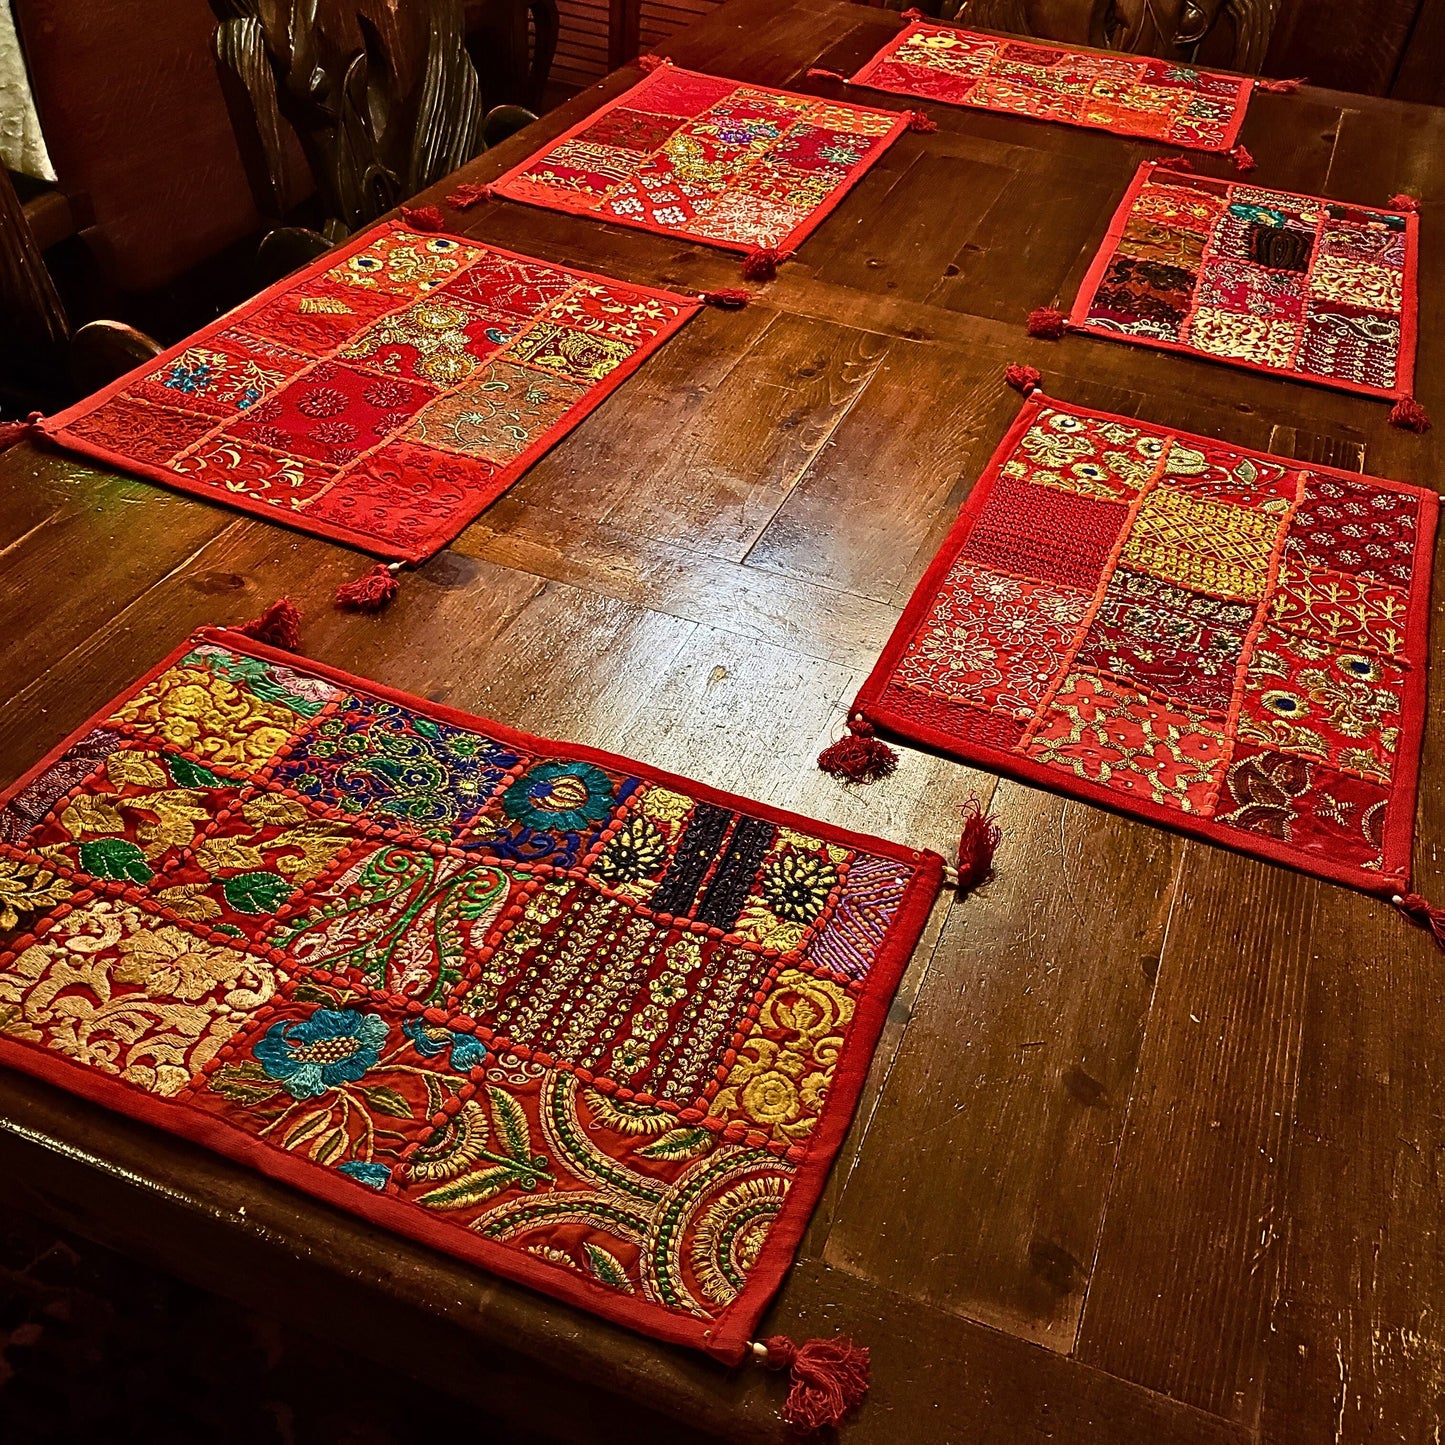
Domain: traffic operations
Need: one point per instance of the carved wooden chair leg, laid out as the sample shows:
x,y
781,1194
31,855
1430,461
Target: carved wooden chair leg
x,y
100,352
286,248
504,121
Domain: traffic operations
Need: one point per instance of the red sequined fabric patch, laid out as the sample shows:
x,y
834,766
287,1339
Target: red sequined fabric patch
x,y
1225,642
386,394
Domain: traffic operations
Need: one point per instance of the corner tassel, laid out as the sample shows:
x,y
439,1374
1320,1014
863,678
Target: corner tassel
x,y
12,433
922,122
648,63
371,592
828,1378
467,195
1242,159
279,625
817,73
1182,164
1023,378
1402,202
1426,914
858,757
1409,415
1047,323
976,846
730,298
913,13
423,218
762,262
1281,87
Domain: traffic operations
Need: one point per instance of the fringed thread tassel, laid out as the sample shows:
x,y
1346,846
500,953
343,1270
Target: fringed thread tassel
x,y
762,262
1047,323
818,73
648,63
370,592
1243,160
1409,415
1426,914
1402,202
278,626
912,13
730,298
424,218
1023,378
1182,164
12,433
1282,87
922,122
858,757
827,1378
976,846
467,195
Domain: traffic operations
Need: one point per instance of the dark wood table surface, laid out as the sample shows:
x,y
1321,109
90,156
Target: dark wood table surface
x,y
1152,1147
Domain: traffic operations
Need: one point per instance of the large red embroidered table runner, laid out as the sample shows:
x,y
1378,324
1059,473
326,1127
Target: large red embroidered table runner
x,y
590,1026
1128,95
738,166
384,395
1228,643
1296,285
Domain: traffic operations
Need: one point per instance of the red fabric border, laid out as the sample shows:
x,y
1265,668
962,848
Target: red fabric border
x,y
726,1337
56,427
505,184
1242,96
1409,307
1392,878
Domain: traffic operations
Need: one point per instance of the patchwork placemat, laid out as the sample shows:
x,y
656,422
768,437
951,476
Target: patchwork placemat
x,y
588,1025
1128,95
1229,643
385,394
739,166
1296,285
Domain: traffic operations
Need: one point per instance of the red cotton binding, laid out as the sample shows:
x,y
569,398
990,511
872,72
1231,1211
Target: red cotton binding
x,y
1409,415
976,846
467,195
423,218
370,592
827,1378
858,756
1423,912
278,626
1023,378
1047,323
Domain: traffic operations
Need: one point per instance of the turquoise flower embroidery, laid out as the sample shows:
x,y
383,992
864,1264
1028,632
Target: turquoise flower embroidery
x,y
374,1176
332,1047
560,797
467,1052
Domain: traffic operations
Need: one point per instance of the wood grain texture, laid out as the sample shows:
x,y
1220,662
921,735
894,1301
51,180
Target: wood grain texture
x,y
1150,1148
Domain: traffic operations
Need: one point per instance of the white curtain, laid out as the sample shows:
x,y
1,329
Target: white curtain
x,y
22,147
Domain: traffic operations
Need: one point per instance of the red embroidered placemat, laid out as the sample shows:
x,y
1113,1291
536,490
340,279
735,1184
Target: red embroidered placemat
x,y
384,395
744,167
1229,643
588,1025
1295,285
1127,95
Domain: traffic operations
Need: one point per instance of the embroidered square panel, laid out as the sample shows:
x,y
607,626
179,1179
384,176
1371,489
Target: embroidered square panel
x,y
384,395
593,1027
707,159
1128,95
1296,285
1225,642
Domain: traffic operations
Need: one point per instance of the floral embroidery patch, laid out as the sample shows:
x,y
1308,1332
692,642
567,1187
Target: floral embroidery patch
x,y
591,1017
706,159
1287,283
386,394
1237,647
1158,99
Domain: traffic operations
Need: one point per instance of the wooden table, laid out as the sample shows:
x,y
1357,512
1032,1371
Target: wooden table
x,y
1152,1148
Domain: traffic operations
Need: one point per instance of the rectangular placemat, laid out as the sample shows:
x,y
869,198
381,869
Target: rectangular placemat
x,y
384,395
591,1026
1225,642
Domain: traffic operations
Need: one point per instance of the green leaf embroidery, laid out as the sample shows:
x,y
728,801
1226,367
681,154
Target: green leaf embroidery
x,y
192,775
608,1268
474,1188
245,1083
386,1101
256,892
305,1127
682,1143
329,1145
115,858
511,1124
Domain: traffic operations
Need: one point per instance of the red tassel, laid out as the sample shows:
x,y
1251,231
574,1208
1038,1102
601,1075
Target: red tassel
x,y
1424,913
818,74
1242,159
730,298
369,593
828,1378
1409,415
1282,87
12,433
859,757
1402,202
913,13
648,63
762,262
976,846
1047,323
423,218
1182,164
467,195
921,122
279,625
1023,378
